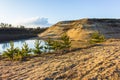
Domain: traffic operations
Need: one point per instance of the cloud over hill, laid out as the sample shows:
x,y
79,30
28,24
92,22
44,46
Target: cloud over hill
x,y
34,22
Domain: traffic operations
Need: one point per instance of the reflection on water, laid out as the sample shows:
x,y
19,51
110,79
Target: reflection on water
x,y
19,44
7,44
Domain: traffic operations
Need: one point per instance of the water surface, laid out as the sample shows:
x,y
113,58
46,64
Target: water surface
x,y
19,44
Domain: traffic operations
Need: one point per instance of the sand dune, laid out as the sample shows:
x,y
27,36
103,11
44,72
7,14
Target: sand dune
x,y
93,63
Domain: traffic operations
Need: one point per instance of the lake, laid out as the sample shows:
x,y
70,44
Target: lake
x,y
19,44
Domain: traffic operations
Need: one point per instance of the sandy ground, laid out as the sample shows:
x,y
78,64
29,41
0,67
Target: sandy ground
x,y
100,62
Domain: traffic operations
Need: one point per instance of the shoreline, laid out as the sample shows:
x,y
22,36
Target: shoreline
x,y
16,37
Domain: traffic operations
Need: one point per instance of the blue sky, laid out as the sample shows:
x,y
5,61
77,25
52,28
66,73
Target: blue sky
x,y
52,11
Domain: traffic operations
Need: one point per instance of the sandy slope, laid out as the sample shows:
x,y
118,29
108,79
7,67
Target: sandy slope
x,y
82,29
93,63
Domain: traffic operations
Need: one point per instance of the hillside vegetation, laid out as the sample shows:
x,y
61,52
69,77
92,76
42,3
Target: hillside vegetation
x,y
100,62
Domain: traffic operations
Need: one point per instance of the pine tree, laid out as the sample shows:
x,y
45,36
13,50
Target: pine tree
x,y
25,48
38,47
10,53
57,46
24,52
66,43
49,45
96,37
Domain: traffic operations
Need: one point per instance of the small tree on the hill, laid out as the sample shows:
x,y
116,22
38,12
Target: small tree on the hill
x,y
57,46
25,48
49,45
60,45
10,53
38,47
97,38
66,42
23,52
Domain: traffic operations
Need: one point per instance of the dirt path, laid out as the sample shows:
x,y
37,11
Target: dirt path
x,y
98,62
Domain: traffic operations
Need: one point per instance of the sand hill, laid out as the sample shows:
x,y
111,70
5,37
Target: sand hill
x,y
81,29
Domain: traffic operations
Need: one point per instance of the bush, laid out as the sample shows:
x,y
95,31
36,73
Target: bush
x,y
48,45
59,46
20,54
10,53
25,49
23,53
66,43
97,38
38,47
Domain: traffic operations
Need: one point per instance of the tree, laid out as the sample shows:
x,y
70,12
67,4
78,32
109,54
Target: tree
x,y
25,48
57,46
2,25
66,42
61,45
23,53
10,53
10,25
38,47
53,45
96,37
22,27
48,45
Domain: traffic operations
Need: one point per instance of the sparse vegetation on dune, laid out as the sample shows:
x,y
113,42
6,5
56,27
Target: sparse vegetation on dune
x,y
38,47
10,53
15,53
62,45
96,62
57,46
96,37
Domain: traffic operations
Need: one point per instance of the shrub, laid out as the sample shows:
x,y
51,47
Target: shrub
x,y
16,53
53,45
38,47
10,53
63,44
57,46
23,53
25,49
49,45
66,43
97,38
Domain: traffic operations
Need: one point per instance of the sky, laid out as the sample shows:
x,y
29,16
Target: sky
x,y
48,12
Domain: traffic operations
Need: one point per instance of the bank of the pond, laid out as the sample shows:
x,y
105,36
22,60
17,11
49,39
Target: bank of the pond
x,y
10,37
16,33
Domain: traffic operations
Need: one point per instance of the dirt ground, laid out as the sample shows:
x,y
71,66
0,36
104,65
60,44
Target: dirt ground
x,y
100,62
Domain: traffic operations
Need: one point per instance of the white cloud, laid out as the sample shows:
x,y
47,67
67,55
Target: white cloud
x,y
33,22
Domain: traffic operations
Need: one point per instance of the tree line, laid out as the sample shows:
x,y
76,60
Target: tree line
x,y
9,32
10,29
